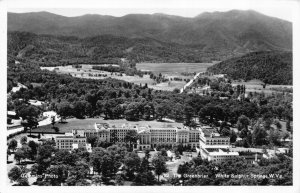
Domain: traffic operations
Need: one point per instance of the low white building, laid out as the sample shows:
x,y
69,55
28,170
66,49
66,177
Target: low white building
x,y
218,155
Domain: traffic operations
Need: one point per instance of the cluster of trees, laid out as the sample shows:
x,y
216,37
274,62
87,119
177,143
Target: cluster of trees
x,y
16,174
158,78
177,79
29,114
109,68
219,87
122,69
188,73
27,152
203,81
281,166
260,133
111,165
115,162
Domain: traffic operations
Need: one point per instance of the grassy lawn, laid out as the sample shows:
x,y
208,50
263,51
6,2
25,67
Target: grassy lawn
x,y
69,125
89,123
173,68
283,129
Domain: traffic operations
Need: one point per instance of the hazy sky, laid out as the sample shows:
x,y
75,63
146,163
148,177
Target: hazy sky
x,y
284,9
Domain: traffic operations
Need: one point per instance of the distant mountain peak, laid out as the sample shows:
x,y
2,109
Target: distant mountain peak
x,y
38,14
239,31
226,13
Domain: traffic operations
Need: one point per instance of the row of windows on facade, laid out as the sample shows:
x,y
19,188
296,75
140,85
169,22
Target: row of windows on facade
x,y
154,134
71,141
151,131
155,137
70,144
215,143
217,140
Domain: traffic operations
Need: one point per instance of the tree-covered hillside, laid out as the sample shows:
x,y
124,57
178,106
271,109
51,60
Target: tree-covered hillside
x,y
270,67
49,50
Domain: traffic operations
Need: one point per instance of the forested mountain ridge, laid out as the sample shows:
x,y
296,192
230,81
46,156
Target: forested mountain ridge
x,y
220,33
270,67
57,50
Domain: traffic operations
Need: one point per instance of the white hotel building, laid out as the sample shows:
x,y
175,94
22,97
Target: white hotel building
x,y
205,140
148,137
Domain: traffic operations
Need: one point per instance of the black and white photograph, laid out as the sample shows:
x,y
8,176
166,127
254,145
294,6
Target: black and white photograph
x,y
149,93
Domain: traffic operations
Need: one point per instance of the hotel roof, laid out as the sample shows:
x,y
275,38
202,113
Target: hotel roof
x,y
208,132
221,151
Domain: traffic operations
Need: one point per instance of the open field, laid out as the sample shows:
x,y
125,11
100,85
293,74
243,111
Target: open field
x,y
169,70
90,124
257,86
173,68
87,72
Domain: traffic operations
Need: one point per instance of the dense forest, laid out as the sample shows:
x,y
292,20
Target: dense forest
x,y
48,50
270,67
